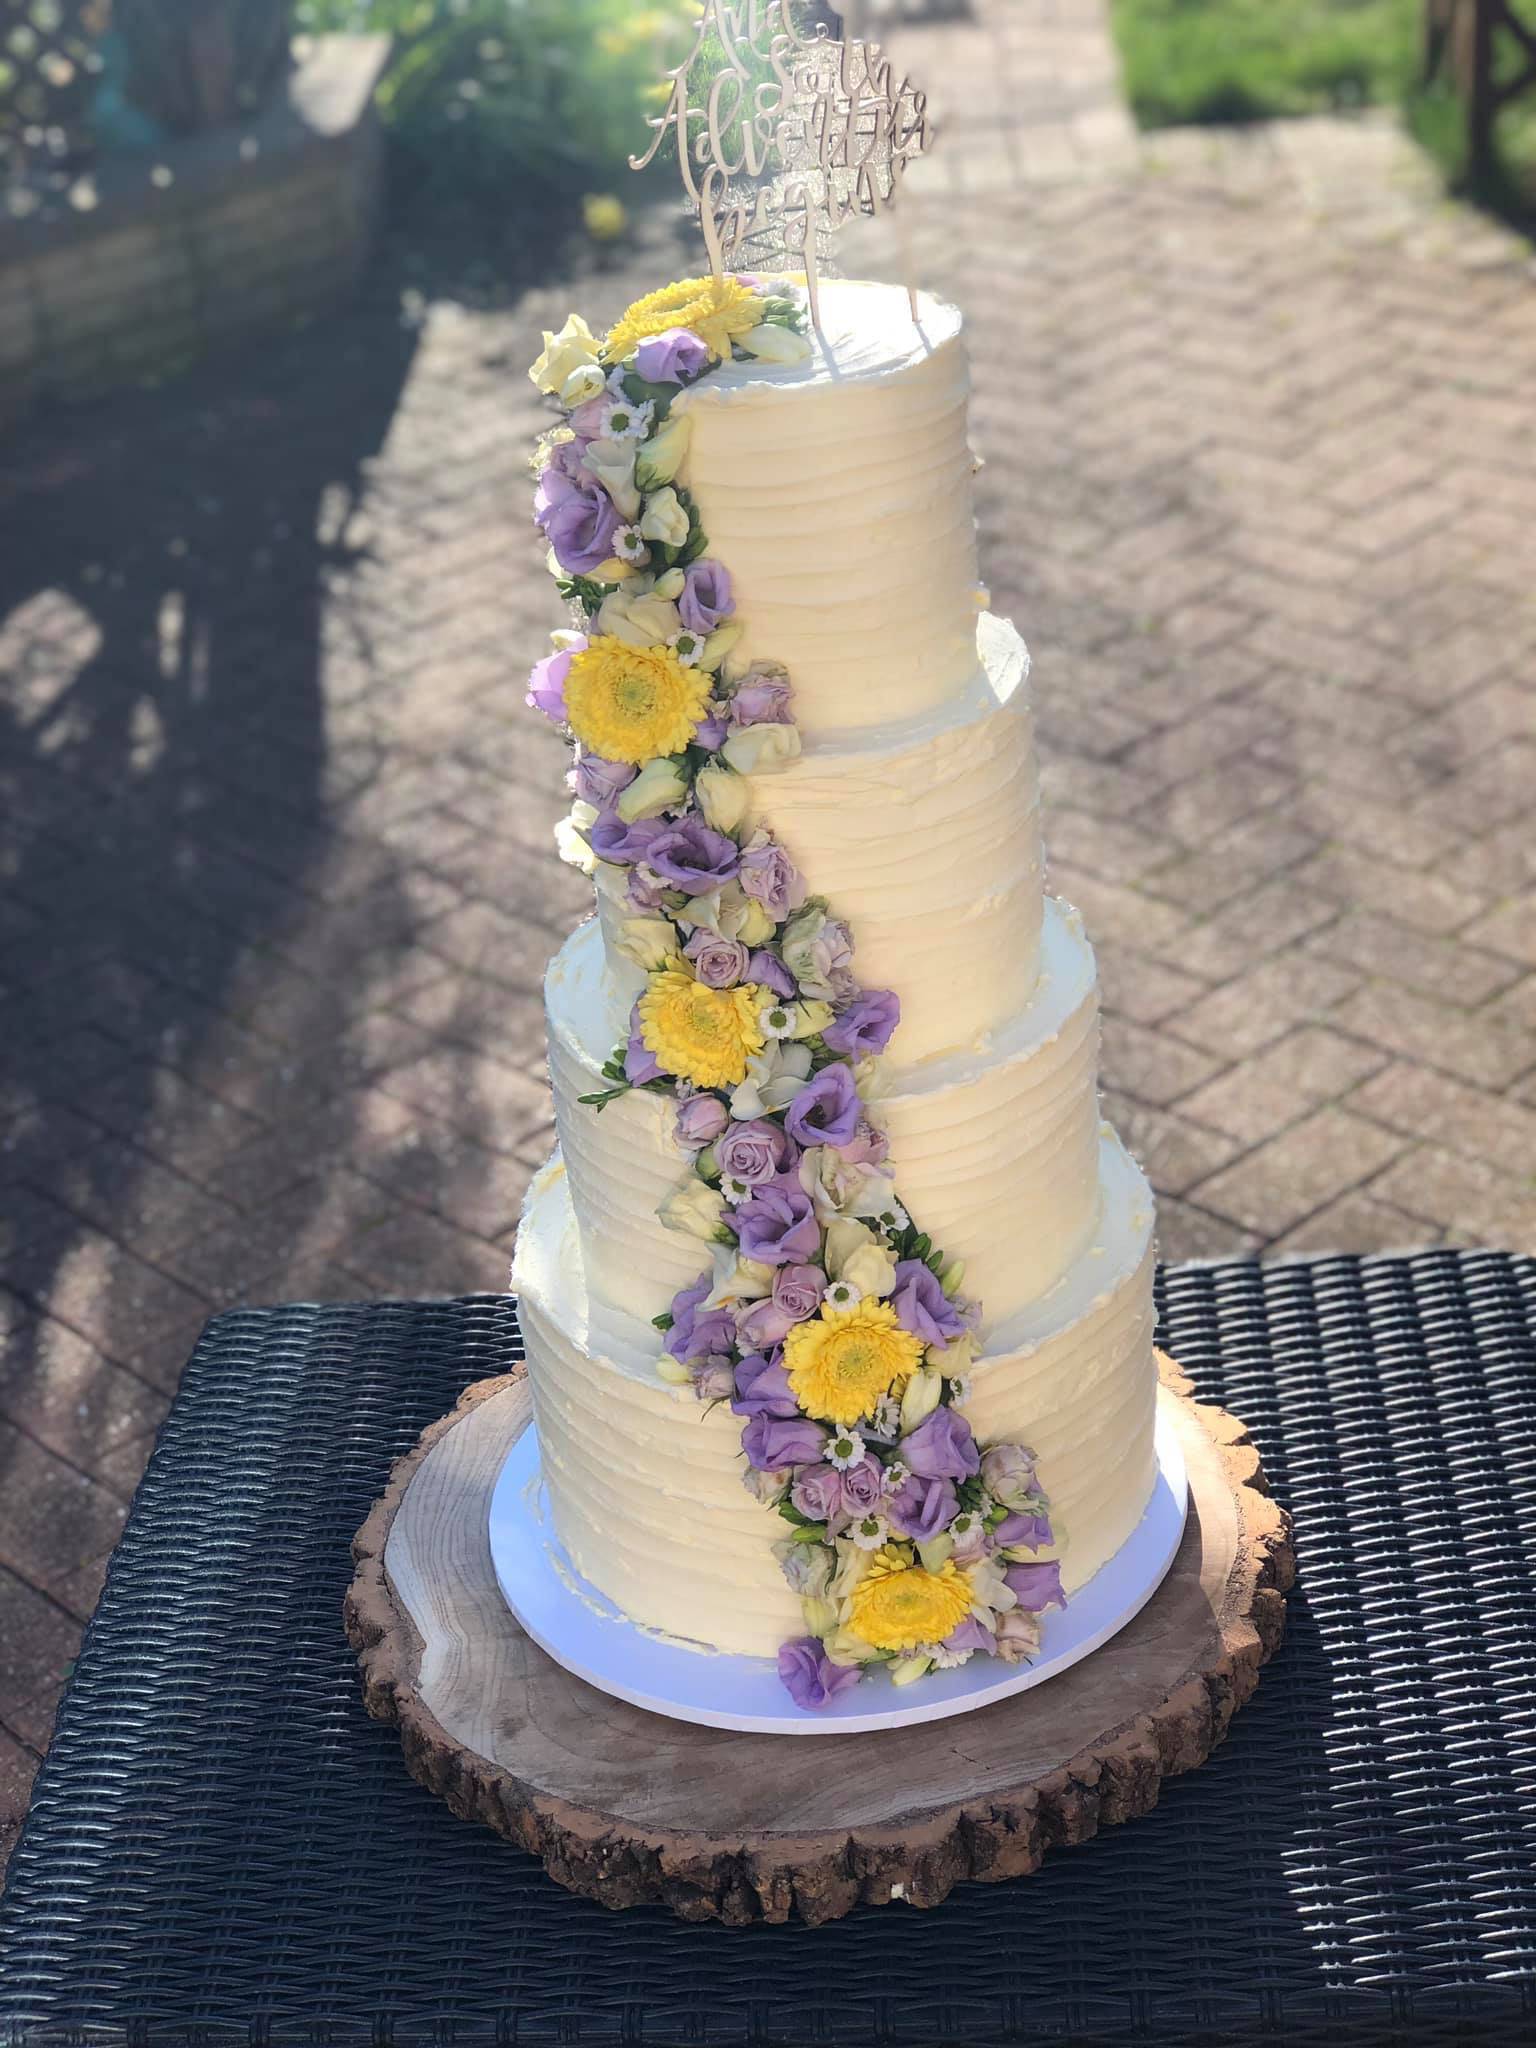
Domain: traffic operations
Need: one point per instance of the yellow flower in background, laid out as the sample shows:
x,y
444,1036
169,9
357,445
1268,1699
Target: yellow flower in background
x,y
719,310
605,217
705,1035
632,703
843,1361
897,1605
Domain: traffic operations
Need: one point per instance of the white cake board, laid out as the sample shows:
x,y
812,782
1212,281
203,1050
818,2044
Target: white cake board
x,y
585,1633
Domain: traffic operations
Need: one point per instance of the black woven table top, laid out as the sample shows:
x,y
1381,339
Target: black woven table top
x,y
223,1847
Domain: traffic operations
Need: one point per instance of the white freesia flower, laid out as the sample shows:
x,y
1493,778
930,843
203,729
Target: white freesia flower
x,y
846,1648
876,1197
637,615
672,1370
755,926
573,848
872,1269
845,1236
832,1184
695,1209
852,1565
583,383
758,748
810,1017
771,343
820,1615
613,464
661,457
572,349
724,798
664,519
989,1589
651,942
919,1398
621,420
952,1359
720,643
657,788
774,1078
936,1552
738,1280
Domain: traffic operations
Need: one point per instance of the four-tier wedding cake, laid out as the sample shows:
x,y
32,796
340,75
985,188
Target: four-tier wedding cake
x,y
837,1296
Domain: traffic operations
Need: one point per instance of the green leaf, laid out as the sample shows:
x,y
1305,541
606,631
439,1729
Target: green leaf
x,y
792,1514
663,1321
601,1101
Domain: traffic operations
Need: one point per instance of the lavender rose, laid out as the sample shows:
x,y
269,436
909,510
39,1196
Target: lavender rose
x,y
922,1305
706,597
578,520
712,1377
921,1508
763,1389
769,972
697,1330
818,951
754,1151
692,856
772,1444
611,839
1036,1586
599,782
817,1491
778,1225
671,357
826,1110
866,1025
1008,1473
762,698
700,1120
941,1447
863,1486
798,1291
971,1537
717,962
810,1677
546,686
762,1323
1023,1532
768,873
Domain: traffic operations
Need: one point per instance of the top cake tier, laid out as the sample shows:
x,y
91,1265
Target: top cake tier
x,y
838,490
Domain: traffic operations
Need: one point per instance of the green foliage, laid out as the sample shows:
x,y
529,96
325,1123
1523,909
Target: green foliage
x,y
1243,60
196,64
494,97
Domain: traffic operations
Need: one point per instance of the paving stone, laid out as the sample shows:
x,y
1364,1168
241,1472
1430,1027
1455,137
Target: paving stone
x,y
75,1401
1245,1015
1281,1084
1454,969
1476,1200
53,1520
1287,1179
38,1641
18,1767
1358,1223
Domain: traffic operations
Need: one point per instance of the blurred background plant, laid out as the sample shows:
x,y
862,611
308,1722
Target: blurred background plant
x,y
189,65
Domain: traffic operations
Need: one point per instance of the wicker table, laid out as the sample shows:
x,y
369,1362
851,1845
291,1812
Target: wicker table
x,y
223,1847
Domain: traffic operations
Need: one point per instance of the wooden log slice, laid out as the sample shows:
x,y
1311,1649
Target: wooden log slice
x,y
628,1807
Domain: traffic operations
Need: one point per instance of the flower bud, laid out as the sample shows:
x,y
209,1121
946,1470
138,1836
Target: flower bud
x,y
657,788
661,457
651,942
936,1552
671,584
771,343
920,1398
724,798
906,1669
696,1211
664,519
584,382
872,1269
952,1278
757,748
672,1370
719,644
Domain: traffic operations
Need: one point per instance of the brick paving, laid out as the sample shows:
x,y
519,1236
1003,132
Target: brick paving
x,y
275,832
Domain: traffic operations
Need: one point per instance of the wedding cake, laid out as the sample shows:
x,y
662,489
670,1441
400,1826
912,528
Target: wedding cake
x,y
837,1295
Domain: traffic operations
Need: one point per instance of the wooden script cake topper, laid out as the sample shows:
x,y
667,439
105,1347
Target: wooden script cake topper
x,y
783,136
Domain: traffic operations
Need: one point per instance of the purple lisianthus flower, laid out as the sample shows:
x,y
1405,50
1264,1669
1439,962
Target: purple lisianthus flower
x,y
707,597
769,972
755,1151
712,732
762,1388
546,685
810,1677
700,1120
826,1110
921,1508
696,1330
867,1147
599,782
578,520
611,839
922,1306
867,1023
768,873
712,1376
863,1486
671,357
717,962
762,698
798,1290
777,1225
971,1635
941,1447
817,1491
643,890
640,1063
1022,1532
771,1444
1036,1586
693,856
685,1304
565,460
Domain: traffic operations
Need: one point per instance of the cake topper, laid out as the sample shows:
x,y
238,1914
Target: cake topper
x,y
785,135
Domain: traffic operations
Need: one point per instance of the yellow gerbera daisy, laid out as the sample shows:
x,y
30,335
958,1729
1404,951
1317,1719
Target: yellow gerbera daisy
x,y
845,1360
896,1605
719,310
705,1035
632,703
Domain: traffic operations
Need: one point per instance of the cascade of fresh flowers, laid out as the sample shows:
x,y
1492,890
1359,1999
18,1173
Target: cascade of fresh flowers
x,y
827,1320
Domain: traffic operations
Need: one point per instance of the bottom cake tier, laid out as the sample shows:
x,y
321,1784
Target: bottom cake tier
x,y
644,1482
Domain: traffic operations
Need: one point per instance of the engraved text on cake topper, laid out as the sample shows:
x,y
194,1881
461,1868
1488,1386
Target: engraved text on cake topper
x,y
784,136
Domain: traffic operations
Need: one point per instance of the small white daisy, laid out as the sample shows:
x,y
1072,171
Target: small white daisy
x,y
616,378
625,421
734,1190
687,646
962,1526
945,1660
959,1388
629,545
869,1532
895,1476
842,1293
886,1420
777,1020
845,1449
